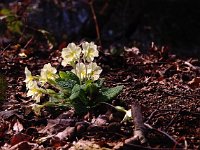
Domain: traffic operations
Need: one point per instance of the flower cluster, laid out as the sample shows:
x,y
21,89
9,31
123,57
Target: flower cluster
x,y
47,73
81,59
80,88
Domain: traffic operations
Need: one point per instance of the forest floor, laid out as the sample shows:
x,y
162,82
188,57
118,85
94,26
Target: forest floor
x,y
166,87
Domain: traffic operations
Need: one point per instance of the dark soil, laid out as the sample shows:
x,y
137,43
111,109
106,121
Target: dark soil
x,y
166,87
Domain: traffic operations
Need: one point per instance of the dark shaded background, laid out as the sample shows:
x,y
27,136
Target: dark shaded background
x,y
172,23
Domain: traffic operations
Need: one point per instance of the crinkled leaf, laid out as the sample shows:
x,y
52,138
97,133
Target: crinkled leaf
x,y
66,84
77,92
92,89
79,106
69,75
111,93
79,99
100,82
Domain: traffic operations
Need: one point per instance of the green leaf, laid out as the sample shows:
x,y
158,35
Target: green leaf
x,y
78,93
16,26
111,93
75,92
92,89
80,107
100,82
6,12
50,91
69,75
79,99
66,84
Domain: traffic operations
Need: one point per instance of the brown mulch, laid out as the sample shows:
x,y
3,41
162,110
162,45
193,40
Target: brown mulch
x,y
166,87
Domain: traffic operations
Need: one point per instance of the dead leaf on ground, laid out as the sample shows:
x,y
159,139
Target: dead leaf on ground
x,y
68,133
18,127
24,145
194,83
57,125
7,114
17,138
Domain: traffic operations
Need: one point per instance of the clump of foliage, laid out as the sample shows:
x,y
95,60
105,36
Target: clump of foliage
x,y
81,88
12,21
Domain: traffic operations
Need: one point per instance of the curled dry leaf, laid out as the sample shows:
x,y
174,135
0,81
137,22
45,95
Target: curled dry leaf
x,y
7,114
17,138
69,133
194,83
18,127
24,145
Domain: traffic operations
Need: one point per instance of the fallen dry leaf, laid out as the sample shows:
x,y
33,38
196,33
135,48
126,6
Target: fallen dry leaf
x,y
68,133
194,83
18,127
24,145
17,138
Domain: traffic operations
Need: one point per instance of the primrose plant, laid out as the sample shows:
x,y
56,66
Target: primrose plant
x,y
81,88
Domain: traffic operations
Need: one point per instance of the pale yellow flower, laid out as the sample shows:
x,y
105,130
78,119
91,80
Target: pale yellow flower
x,y
37,108
93,71
48,72
70,54
34,91
90,51
29,77
80,71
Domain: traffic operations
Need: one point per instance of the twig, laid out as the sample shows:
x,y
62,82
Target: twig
x,y
192,66
180,96
4,49
104,7
173,119
151,116
95,21
164,133
159,110
29,41
140,129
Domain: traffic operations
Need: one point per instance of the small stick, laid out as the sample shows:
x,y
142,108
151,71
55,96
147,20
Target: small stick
x,y
96,22
190,65
173,120
140,129
1,53
29,41
151,116
164,133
